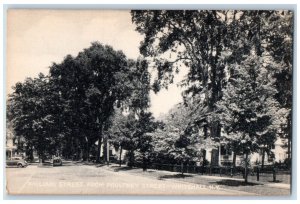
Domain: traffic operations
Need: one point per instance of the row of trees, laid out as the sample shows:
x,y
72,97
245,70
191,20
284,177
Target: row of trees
x,y
238,84
239,72
70,109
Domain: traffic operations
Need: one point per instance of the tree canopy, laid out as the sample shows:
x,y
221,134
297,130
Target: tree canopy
x,y
238,90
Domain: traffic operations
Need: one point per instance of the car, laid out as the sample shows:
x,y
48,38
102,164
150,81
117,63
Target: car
x,y
16,161
57,161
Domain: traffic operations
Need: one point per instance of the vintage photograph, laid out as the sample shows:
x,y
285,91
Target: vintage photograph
x,y
149,102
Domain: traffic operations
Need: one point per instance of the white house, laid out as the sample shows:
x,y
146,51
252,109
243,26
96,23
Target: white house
x,y
225,156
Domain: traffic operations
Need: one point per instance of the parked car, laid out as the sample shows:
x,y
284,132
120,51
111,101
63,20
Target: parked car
x,y
57,161
16,161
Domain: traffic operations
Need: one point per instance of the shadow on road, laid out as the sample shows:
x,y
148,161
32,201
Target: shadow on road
x,y
123,168
45,165
83,163
277,181
228,182
80,163
100,165
174,176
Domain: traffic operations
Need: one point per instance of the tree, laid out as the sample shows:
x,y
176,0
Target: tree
x,y
211,44
69,109
121,132
248,111
34,114
90,85
179,140
269,34
193,39
133,133
280,47
145,128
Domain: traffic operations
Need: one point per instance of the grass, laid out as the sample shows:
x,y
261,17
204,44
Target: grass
x,y
223,182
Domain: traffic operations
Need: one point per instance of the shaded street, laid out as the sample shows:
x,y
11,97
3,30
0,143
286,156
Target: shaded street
x,y
90,180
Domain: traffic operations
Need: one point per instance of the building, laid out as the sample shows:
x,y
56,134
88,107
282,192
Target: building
x,y
224,157
11,147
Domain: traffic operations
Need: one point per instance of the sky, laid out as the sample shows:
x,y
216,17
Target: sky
x,y
37,38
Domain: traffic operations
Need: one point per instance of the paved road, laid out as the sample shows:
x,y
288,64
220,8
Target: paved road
x,y
91,180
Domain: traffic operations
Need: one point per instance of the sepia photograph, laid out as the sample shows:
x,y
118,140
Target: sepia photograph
x,y
149,102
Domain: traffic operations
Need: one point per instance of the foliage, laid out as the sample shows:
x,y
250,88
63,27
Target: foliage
x,y
239,71
35,114
133,133
178,138
72,105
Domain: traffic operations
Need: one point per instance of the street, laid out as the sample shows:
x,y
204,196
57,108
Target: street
x,y
74,178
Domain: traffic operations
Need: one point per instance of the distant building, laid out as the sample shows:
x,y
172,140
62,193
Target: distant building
x,y
14,145
224,157
113,152
11,147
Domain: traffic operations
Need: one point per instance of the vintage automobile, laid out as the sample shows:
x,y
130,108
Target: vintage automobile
x,y
16,161
57,161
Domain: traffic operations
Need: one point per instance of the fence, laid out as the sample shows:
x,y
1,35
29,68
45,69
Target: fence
x,y
193,169
256,173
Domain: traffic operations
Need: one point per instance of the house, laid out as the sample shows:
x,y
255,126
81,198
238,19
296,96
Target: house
x,y
224,157
15,146
11,146
114,154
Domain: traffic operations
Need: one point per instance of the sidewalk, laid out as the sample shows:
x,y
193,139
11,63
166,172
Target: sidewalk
x,y
278,185
274,185
236,184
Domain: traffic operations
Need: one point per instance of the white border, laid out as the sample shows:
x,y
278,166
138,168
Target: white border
x,y
142,4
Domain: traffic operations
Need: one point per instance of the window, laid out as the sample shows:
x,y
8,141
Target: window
x,y
225,150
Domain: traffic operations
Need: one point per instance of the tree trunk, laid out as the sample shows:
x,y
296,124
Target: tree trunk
x,y
107,151
289,148
144,163
234,159
263,159
29,152
204,157
99,149
289,138
131,158
246,168
87,151
71,153
181,168
120,158
204,160
40,159
99,144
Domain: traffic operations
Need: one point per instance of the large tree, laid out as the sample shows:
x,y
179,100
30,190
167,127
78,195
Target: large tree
x,y
69,109
248,111
91,84
267,35
212,45
131,132
280,47
122,131
179,139
34,113
194,39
